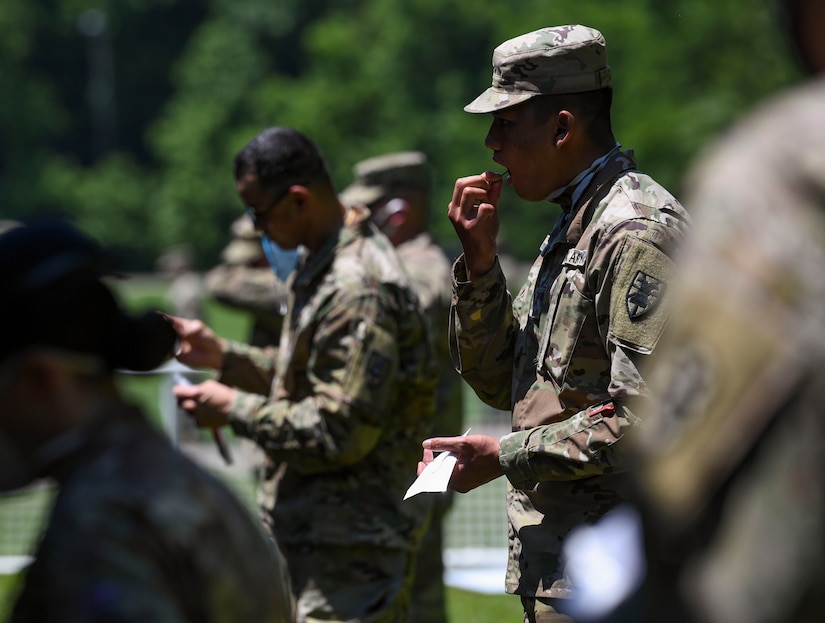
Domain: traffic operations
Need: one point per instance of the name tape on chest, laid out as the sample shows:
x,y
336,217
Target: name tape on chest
x,y
575,258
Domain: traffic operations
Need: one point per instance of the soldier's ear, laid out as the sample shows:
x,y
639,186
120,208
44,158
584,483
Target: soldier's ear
x,y
564,124
398,218
393,213
299,195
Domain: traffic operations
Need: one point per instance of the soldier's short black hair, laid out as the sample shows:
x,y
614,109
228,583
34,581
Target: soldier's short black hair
x,y
281,156
591,106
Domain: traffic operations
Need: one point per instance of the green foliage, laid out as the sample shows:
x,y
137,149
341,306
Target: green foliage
x,y
359,76
112,205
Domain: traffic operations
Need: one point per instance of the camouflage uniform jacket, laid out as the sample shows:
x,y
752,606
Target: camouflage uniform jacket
x,y
430,276
564,356
351,401
139,533
734,468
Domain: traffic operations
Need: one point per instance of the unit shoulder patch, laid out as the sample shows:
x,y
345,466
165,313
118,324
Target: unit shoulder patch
x,y
638,310
643,294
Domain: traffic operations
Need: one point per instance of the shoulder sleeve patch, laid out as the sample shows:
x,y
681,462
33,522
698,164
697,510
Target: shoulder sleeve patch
x,y
372,369
638,302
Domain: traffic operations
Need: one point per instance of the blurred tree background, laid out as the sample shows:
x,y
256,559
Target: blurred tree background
x,y
125,114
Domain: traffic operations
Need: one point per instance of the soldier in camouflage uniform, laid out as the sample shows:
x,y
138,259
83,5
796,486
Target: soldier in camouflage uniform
x,y
245,281
396,189
137,532
564,356
341,403
733,479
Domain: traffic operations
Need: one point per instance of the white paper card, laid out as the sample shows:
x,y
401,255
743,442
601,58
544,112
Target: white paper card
x,y
436,476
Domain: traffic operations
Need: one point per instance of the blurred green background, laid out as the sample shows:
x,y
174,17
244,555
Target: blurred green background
x,y
125,114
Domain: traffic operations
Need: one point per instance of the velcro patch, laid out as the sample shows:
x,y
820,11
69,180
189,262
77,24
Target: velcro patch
x,y
638,311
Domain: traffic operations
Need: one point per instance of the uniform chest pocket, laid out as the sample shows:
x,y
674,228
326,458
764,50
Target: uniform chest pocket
x,y
567,313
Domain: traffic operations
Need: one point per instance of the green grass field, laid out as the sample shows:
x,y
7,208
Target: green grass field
x,y
8,587
461,605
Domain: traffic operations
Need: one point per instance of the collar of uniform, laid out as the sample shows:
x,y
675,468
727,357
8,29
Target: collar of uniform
x,y
420,241
356,222
617,163
568,195
586,186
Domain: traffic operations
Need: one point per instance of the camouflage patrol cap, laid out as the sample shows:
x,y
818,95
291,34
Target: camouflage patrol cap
x,y
548,61
381,176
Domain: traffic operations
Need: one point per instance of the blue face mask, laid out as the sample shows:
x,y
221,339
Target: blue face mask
x,y
282,261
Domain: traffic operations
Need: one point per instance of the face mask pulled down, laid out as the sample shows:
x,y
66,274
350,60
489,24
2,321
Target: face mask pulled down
x,y
282,261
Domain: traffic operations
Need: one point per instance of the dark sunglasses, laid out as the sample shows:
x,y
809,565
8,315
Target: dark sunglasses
x,y
256,216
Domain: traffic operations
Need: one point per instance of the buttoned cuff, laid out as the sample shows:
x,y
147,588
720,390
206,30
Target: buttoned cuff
x,y
515,462
245,367
487,280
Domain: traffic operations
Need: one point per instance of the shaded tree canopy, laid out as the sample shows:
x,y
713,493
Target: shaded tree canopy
x,y
125,115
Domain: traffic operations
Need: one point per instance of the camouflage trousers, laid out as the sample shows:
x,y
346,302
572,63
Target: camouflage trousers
x,y
356,584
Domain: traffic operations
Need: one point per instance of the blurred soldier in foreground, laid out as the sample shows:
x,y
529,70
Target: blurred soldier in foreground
x,y
342,403
137,532
245,280
565,355
396,189
733,480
